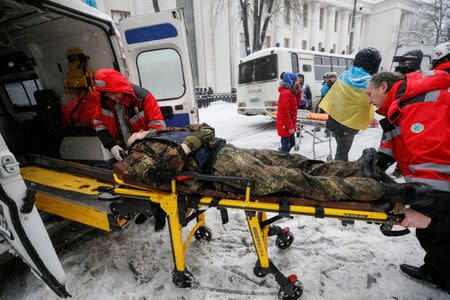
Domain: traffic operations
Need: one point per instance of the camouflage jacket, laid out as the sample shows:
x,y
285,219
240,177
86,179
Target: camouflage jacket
x,y
159,157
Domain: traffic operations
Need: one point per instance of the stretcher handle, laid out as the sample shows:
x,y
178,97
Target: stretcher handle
x,y
245,181
395,232
386,228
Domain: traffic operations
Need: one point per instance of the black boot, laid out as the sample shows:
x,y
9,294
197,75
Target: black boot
x,y
418,273
141,218
367,163
160,219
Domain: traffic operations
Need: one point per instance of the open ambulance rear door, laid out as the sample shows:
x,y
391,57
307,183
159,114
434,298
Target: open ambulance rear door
x,y
22,227
157,56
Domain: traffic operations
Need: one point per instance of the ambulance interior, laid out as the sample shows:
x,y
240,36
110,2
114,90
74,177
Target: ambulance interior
x,y
34,43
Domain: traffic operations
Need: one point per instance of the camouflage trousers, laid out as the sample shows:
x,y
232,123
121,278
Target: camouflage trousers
x,y
275,172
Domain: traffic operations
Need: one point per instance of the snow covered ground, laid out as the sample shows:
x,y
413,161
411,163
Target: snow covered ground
x,y
332,261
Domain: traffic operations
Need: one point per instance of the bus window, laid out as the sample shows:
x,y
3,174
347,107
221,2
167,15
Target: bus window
x,y
339,65
349,63
266,68
260,69
160,72
306,68
246,71
322,68
317,60
334,62
294,61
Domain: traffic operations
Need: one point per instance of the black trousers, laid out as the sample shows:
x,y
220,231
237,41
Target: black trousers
x,y
343,145
437,257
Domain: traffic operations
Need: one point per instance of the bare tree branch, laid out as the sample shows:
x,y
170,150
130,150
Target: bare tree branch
x,y
244,7
266,22
156,5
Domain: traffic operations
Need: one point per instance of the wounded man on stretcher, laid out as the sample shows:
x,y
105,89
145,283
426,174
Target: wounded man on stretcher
x,y
157,156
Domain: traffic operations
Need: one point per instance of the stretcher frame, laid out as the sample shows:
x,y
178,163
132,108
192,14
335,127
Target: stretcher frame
x,y
305,118
177,204
183,208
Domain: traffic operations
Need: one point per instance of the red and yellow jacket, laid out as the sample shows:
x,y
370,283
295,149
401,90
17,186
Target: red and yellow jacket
x,y
141,110
416,132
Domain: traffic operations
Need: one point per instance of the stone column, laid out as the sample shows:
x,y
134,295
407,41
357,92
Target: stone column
x,y
343,31
357,35
329,34
314,28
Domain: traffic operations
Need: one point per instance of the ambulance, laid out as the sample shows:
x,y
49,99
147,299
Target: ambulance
x,y
35,39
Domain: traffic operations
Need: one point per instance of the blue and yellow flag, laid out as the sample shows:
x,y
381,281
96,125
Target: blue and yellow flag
x,y
347,101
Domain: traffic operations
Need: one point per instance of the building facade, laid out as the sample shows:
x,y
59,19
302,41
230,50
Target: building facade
x,y
218,39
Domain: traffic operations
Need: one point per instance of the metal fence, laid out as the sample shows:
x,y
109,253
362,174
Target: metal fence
x,y
204,100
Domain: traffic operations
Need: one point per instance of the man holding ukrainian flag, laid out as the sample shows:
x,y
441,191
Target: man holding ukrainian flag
x,y
347,103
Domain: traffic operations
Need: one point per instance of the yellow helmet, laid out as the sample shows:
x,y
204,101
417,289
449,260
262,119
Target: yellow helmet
x,y
76,54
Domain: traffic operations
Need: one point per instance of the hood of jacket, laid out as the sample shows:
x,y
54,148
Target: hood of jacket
x,y
111,81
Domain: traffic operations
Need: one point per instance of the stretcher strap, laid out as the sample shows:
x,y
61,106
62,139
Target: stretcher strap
x,y
285,207
320,212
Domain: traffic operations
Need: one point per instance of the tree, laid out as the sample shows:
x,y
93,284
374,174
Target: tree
x,y
438,14
156,5
259,13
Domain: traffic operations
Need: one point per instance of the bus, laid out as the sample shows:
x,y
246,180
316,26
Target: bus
x,y
259,75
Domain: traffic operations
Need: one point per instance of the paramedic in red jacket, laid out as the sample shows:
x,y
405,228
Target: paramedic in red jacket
x,y
416,134
287,111
124,109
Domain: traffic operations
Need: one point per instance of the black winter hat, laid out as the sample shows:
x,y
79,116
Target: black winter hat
x,y
369,59
414,54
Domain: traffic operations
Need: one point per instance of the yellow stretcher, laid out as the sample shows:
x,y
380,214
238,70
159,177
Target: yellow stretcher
x,y
108,200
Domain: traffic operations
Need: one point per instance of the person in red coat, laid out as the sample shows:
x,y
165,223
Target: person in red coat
x,y
287,111
416,135
124,109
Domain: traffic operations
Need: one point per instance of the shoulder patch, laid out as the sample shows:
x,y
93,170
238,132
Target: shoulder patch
x,y
417,127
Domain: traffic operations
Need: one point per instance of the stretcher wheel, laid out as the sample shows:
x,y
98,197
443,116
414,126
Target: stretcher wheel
x,y
183,279
260,271
203,233
291,292
284,240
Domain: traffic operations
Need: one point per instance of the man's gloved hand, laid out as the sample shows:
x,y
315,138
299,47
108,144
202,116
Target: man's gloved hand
x,y
115,151
374,163
383,161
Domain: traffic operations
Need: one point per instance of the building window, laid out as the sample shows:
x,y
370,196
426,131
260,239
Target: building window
x,y
118,15
336,21
304,45
305,15
403,22
287,12
322,16
286,42
268,41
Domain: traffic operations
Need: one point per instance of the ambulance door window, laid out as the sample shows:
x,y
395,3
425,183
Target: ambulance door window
x,y
160,72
